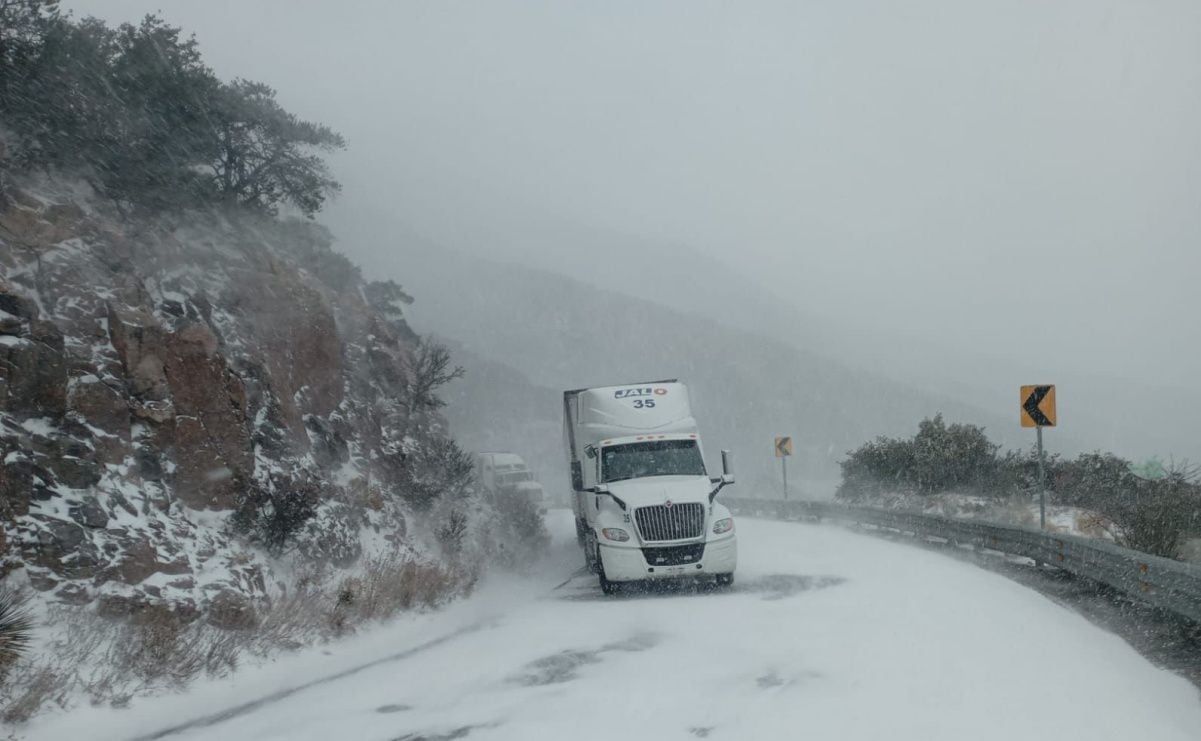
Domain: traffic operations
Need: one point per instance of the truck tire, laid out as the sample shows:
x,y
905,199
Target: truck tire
x,y
607,587
591,554
580,530
724,581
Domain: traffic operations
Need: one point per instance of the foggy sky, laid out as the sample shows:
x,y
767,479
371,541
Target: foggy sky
x,y
1014,178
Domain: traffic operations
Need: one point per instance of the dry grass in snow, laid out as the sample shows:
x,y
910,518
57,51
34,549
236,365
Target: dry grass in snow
x,y
86,657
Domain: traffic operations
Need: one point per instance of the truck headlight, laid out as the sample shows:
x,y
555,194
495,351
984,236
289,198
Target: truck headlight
x,y
724,525
615,533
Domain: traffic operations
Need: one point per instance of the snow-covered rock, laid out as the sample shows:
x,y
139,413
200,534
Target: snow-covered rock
x,y
159,374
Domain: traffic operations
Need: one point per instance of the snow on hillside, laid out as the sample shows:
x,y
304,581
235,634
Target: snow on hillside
x,y
202,416
827,634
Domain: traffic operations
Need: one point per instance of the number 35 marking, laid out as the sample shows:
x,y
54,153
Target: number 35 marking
x,y
644,403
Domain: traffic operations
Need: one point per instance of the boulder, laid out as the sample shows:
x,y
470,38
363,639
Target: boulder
x,y
140,343
64,549
297,338
73,593
16,486
100,405
11,325
111,449
33,372
150,464
13,302
27,226
118,499
42,580
211,438
185,583
74,472
71,213
89,513
84,563
140,559
59,537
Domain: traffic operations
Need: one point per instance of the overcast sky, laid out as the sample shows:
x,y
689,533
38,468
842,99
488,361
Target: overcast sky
x,y
1003,175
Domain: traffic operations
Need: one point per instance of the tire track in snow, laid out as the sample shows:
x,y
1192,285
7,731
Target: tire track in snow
x,y
213,719
207,721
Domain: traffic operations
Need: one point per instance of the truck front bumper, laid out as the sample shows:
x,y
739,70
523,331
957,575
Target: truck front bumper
x,y
632,563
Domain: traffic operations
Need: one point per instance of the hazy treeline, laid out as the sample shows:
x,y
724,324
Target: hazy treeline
x,y
1153,513
139,114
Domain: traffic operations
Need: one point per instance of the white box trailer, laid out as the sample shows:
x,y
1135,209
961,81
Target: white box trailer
x,y
645,507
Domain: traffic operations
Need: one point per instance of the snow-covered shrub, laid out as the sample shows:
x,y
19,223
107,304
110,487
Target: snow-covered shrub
x,y
877,466
159,648
436,469
1160,516
521,536
1152,515
274,512
333,535
1155,516
389,584
938,458
491,530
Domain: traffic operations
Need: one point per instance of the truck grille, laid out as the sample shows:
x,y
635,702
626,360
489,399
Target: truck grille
x,y
679,522
674,555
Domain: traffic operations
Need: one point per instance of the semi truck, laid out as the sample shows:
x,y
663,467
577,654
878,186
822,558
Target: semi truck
x,y
506,474
645,506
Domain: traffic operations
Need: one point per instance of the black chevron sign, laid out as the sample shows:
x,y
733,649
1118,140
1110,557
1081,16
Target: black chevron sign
x,y
783,447
1038,406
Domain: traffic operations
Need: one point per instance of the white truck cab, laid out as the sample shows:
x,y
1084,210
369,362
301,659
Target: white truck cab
x,y
504,473
645,507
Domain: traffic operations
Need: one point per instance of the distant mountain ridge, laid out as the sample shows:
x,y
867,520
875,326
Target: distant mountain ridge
x,y
1097,410
559,332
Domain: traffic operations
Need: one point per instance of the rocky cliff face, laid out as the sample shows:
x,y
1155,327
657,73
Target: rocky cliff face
x,y
158,376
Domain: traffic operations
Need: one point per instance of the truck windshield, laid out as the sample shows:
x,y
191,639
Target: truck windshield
x,y
658,458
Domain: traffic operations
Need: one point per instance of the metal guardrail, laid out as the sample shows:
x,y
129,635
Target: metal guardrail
x,y
1171,585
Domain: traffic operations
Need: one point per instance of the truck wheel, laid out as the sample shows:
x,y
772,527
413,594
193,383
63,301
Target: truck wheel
x,y
725,580
608,587
591,555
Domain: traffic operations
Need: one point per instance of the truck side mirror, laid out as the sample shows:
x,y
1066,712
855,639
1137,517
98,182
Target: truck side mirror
x,y
603,490
577,476
727,467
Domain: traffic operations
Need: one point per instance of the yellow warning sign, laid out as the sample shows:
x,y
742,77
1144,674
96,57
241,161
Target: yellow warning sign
x,y
783,447
1038,406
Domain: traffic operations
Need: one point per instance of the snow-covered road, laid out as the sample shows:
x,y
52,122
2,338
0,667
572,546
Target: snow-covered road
x,y
827,635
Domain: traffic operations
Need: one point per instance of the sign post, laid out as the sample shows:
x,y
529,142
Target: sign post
x,y
783,450
1042,483
1038,411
